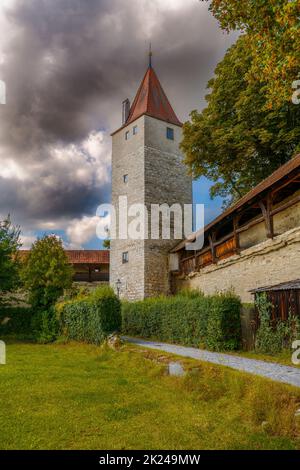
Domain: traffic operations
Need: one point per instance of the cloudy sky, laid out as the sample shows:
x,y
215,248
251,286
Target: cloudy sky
x,y
68,65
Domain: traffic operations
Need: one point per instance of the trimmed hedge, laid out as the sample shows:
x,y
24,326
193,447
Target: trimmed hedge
x,y
91,318
224,331
211,322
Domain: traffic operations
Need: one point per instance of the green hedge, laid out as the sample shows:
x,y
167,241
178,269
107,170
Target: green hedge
x,y
25,323
19,323
224,323
91,318
195,320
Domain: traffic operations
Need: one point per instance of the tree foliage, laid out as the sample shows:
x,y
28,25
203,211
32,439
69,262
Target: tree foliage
x,y
237,141
273,36
9,265
47,272
106,244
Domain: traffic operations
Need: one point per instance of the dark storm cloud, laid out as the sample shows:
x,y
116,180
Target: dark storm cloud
x,y
37,204
68,64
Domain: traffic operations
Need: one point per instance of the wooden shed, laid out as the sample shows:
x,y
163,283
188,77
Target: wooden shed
x,y
284,297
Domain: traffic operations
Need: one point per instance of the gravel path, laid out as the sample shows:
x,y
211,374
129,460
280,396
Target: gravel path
x,y
277,372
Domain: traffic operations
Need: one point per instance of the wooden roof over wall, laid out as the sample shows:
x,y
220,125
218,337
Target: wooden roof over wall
x,y
282,172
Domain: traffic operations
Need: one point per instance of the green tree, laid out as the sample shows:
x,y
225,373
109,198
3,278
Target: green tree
x,y
9,264
106,244
273,31
47,272
237,141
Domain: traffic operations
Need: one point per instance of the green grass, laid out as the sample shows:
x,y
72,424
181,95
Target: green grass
x,y
77,396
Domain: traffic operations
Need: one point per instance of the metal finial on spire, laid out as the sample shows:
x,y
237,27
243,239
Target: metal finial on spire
x,y
150,55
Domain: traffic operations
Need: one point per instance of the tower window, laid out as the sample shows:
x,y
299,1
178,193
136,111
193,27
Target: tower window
x,y
127,135
125,257
170,133
135,130
125,178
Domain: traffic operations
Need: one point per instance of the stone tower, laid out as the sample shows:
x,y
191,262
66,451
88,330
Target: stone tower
x,y
147,168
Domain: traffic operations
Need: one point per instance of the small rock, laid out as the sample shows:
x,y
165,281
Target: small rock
x,y
176,369
5,320
297,414
265,425
114,341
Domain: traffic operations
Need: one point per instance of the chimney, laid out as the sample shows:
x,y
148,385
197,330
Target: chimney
x,y
125,110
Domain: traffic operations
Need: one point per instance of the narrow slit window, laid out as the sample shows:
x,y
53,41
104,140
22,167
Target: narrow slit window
x,y
127,135
125,179
135,130
170,133
125,257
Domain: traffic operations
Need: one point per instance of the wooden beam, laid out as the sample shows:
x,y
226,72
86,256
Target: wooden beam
x,y
278,209
187,258
269,212
265,215
250,224
202,252
285,206
268,218
224,239
236,234
292,179
212,241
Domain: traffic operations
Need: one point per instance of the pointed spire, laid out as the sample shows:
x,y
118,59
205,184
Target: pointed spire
x,y
150,55
152,100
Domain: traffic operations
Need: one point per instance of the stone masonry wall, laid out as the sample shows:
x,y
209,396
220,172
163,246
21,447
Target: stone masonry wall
x,y
156,175
268,263
128,159
166,181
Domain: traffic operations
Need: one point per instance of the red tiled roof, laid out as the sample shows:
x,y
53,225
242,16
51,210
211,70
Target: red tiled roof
x,y
278,174
152,101
82,256
88,256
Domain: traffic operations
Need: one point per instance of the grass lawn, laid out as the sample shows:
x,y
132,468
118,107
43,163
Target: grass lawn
x,y
78,396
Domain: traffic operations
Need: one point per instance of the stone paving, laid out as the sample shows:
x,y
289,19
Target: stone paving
x,y
270,370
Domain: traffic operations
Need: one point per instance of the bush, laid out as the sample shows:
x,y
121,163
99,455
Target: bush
x,y
90,318
16,321
224,323
189,319
27,324
45,326
9,261
274,338
46,273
